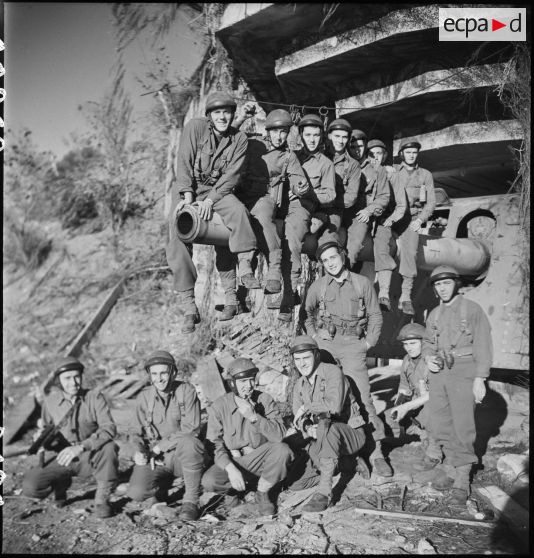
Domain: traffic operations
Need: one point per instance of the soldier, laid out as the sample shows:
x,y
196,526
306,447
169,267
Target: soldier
x,y
270,169
324,410
458,351
246,429
348,173
347,325
395,210
166,425
412,396
419,187
373,197
210,159
84,443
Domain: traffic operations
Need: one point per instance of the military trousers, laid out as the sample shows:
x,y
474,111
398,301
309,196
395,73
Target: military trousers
x,y
262,213
408,245
102,464
451,409
297,224
382,249
269,461
351,353
242,239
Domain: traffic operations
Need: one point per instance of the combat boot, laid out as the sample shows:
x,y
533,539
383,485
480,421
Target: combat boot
x,y
229,311
189,512
382,467
102,506
384,303
60,497
265,506
319,501
273,286
244,271
190,320
407,308
459,492
443,477
362,468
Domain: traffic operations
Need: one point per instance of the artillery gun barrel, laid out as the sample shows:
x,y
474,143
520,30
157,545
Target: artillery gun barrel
x,y
190,228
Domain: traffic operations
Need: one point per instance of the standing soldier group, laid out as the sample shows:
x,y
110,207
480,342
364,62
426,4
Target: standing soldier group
x,y
340,193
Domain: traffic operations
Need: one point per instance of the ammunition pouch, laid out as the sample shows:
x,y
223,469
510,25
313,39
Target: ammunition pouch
x,y
344,327
447,357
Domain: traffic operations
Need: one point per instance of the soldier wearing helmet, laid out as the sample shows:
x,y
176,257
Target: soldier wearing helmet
x,y
373,197
394,211
412,395
84,442
210,160
327,415
343,316
165,429
271,171
458,351
419,187
246,429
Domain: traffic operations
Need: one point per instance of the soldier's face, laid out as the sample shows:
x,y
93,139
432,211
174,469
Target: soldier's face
x,y
378,154
71,381
305,362
445,289
221,118
278,136
409,155
311,136
339,139
358,147
160,375
244,387
332,261
412,347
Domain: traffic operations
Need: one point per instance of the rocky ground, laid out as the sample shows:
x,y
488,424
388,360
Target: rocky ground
x,y
44,310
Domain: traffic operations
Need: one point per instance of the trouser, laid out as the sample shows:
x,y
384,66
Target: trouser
x,y
185,461
102,464
269,461
408,245
262,212
351,353
452,412
382,249
337,441
297,224
242,239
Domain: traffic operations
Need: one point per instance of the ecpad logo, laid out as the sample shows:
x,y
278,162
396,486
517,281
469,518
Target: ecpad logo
x,y
482,24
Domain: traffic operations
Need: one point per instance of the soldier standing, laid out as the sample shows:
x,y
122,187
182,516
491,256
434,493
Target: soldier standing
x,y
270,169
373,198
419,187
166,425
395,210
343,315
210,160
326,412
85,441
247,429
459,352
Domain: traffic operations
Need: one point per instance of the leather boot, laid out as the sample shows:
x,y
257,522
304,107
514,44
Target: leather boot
x,y
229,311
60,497
319,501
190,320
188,512
265,506
273,286
102,506
246,276
384,303
407,308
443,477
459,492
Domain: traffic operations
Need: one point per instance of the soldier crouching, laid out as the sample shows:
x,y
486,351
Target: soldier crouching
x,y
166,428
246,428
84,442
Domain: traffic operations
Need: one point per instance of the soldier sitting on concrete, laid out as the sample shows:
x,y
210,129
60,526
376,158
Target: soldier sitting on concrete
x,y
247,429
396,208
412,396
166,424
326,412
373,198
419,187
271,171
458,352
84,443
210,160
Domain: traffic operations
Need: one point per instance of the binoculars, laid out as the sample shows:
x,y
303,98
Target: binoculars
x,y
445,358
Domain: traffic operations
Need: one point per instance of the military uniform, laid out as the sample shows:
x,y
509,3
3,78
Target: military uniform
x,y
352,307
210,169
91,426
374,196
256,448
171,422
462,330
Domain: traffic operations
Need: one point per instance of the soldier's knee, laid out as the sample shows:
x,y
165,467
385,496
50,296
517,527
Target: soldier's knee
x,y
109,450
282,451
190,444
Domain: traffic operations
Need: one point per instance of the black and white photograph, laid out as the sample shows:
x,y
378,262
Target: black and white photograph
x,y
266,278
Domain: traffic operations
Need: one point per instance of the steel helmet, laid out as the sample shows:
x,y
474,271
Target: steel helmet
x,y
219,99
278,118
66,364
411,331
303,343
160,357
408,144
376,143
359,134
310,120
443,272
241,368
325,245
339,124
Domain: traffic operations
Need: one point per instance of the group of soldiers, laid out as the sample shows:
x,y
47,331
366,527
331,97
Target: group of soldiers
x,y
335,427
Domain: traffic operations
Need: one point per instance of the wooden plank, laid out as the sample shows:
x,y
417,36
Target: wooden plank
x,y
118,388
17,418
208,378
514,514
134,389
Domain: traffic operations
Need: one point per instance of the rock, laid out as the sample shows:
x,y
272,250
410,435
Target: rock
x,y
160,510
399,539
231,551
79,511
270,549
36,538
274,383
424,546
248,529
210,518
122,489
513,467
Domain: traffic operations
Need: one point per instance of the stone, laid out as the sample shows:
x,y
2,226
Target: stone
x,y
424,546
514,467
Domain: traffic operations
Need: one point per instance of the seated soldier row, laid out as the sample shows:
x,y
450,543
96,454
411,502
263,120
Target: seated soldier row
x,y
335,187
